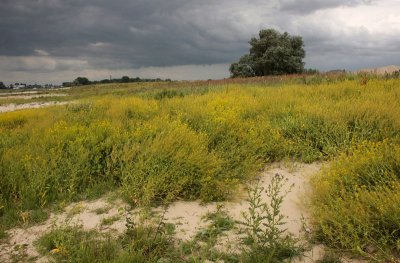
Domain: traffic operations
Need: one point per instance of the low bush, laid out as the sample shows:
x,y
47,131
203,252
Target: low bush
x,y
355,200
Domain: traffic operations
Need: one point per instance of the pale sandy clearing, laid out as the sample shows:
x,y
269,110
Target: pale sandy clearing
x,y
27,97
33,105
12,93
82,213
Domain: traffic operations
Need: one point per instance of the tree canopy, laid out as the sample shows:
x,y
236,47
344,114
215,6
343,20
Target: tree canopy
x,y
81,81
272,53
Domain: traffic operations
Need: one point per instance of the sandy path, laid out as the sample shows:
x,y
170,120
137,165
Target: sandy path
x,y
27,97
33,105
17,93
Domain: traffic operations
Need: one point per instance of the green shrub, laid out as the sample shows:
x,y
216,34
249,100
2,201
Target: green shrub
x,y
172,162
354,201
73,243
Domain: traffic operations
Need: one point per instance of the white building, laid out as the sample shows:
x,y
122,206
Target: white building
x,y
19,86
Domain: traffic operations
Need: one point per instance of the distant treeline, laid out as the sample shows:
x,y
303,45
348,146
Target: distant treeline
x,y
80,81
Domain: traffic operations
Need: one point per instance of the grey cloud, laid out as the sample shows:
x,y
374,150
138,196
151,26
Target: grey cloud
x,y
351,49
40,64
54,36
138,33
41,52
309,6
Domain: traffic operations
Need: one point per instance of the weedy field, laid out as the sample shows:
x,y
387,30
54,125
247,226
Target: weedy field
x,y
156,143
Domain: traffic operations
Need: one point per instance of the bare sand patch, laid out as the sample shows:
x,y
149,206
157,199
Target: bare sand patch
x,y
27,97
187,218
188,215
33,105
21,240
18,93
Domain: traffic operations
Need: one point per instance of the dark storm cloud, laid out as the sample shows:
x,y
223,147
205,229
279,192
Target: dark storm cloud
x,y
121,33
98,37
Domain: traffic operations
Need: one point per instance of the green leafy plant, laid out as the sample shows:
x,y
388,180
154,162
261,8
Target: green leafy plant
x,y
148,242
266,238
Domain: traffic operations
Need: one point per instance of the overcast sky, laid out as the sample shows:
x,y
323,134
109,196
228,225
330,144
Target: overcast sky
x,y
51,41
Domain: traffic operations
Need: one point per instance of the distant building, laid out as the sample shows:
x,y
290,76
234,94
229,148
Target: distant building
x,y
19,86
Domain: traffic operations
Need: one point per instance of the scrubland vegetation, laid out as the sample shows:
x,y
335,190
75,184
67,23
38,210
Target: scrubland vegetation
x,y
156,143
355,201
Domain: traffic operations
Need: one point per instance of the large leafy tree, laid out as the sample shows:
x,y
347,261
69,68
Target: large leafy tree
x,y
125,79
81,81
272,53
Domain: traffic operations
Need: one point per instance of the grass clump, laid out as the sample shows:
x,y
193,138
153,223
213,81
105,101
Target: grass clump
x,y
330,257
72,243
110,220
146,241
355,201
142,242
220,222
76,209
102,210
